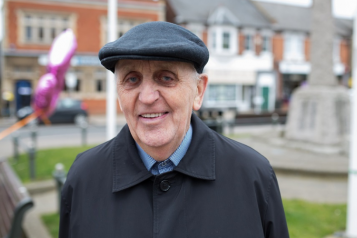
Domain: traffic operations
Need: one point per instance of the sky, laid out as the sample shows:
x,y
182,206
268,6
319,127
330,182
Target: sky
x,y
341,8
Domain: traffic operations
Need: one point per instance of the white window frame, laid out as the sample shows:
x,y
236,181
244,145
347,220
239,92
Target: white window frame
x,y
292,43
45,20
249,43
215,38
251,32
123,25
268,46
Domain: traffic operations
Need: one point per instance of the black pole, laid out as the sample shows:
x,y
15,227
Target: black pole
x,y
32,161
16,148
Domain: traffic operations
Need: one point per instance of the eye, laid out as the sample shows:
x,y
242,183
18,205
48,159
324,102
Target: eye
x,y
166,79
133,79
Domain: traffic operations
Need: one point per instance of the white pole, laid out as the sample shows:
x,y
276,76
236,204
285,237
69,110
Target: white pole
x,y
352,175
111,89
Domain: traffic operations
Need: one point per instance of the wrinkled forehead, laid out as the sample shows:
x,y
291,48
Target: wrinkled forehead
x,y
177,67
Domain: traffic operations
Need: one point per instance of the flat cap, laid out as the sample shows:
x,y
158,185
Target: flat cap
x,y
156,41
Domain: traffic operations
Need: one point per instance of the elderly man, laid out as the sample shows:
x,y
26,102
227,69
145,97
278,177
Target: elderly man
x,y
166,174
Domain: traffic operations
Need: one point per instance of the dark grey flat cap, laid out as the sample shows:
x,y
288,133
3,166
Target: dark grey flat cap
x,y
156,41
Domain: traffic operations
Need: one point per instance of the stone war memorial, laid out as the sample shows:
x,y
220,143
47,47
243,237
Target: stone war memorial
x,y
319,112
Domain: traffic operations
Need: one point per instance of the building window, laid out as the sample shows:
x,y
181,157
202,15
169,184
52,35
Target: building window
x,y
248,43
293,47
99,85
214,40
226,40
122,27
78,86
266,44
42,28
221,92
28,33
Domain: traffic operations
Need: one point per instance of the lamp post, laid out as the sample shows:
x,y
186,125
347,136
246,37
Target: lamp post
x,y
111,97
351,225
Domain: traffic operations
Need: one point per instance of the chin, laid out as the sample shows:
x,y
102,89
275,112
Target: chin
x,y
155,142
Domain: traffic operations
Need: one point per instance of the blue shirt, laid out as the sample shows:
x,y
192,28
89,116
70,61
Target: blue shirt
x,y
169,164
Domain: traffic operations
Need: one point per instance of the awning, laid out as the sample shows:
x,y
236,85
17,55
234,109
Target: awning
x,y
231,77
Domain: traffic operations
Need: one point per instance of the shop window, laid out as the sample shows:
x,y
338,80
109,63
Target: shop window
x,y
221,92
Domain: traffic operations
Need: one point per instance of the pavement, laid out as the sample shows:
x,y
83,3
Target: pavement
x,y
301,174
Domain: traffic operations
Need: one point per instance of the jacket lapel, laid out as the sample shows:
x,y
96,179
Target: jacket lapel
x,y
200,158
199,161
128,169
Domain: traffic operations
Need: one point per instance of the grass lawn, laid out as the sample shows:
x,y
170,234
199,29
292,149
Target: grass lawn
x,y
51,221
305,220
46,161
311,220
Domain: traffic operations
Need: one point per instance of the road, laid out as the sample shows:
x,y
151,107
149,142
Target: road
x,y
52,136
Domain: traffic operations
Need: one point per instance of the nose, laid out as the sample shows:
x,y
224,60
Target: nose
x,y
148,93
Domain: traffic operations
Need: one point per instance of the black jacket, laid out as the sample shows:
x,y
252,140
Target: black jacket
x,y
221,188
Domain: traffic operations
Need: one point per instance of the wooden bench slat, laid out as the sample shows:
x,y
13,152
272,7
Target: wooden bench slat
x,y
14,202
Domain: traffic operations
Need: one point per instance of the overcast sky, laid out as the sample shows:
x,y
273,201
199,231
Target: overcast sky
x,y
341,8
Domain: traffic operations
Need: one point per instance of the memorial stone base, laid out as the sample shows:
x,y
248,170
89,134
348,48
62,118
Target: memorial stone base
x,y
318,119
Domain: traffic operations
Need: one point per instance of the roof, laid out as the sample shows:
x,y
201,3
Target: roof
x,y
223,16
199,11
280,17
296,18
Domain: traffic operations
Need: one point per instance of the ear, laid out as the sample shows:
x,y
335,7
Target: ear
x,y
200,91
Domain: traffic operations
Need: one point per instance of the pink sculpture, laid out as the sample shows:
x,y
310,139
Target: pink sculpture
x,y
51,84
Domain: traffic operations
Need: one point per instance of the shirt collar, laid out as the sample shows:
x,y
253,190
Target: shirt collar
x,y
198,162
174,157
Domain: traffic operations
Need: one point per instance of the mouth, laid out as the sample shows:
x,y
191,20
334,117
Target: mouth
x,y
152,115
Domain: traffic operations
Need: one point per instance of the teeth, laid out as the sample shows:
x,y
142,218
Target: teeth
x,y
152,115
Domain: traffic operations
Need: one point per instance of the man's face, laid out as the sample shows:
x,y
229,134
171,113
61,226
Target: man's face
x,y
157,98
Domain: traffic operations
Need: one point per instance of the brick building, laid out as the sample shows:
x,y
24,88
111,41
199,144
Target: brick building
x,y
31,25
259,52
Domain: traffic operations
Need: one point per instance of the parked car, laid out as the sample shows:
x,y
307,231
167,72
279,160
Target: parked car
x,y
67,110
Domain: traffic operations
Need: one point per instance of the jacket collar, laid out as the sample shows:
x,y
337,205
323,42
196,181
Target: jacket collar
x,y
198,162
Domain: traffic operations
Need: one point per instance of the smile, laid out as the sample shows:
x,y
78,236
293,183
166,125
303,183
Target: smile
x,y
152,115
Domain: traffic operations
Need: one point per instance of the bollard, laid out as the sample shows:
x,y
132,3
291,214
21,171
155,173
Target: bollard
x,y
34,138
32,155
275,118
60,176
33,133
83,124
84,135
16,148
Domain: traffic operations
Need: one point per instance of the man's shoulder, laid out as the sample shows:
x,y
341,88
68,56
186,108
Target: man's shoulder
x,y
232,152
92,159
